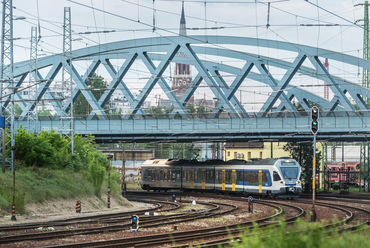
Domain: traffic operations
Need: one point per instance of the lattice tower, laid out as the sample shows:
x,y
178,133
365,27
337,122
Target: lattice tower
x,y
67,84
366,55
32,117
7,77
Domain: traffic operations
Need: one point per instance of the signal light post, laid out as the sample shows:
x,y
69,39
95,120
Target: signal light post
x,y
109,161
314,129
134,223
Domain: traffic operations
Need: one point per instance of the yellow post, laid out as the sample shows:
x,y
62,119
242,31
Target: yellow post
x,y
260,181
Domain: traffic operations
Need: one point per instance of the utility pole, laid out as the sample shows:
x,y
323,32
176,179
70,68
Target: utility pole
x,y
7,78
67,120
364,154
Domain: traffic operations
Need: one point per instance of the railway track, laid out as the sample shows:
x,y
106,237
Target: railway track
x,y
213,236
145,222
186,236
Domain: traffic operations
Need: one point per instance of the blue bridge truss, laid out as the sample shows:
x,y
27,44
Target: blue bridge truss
x,y
343,117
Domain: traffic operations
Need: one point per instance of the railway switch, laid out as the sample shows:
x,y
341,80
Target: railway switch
x,y
134,223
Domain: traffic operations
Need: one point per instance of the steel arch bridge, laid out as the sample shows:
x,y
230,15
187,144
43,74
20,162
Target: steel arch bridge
x,y
343,117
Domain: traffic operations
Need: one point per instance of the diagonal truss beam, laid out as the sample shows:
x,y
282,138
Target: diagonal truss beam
x,y
157,74
165,87
82,87
117,81
43,88
212,84
279,88
230,91
334,87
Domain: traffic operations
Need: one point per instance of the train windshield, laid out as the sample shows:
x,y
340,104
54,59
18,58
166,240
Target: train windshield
x,y
289,172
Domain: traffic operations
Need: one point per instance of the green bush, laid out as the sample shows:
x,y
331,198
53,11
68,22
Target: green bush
x,y
335,186
96,175
303,235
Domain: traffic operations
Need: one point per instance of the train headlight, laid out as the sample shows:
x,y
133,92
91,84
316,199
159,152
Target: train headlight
x,y
283,182
297,182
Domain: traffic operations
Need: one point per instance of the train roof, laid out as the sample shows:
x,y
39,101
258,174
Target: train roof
x,y
182,162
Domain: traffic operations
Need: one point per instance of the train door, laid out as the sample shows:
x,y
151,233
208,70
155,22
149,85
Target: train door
x,y
192,178
223,179
203,178
156,177
233,180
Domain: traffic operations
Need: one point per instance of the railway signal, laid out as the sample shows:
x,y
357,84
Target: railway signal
x,y
250,204
315,119
134,223
314,129
174,198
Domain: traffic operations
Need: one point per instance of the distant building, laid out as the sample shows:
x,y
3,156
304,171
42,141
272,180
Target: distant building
x,y
130,158
165,103
182,77
243,150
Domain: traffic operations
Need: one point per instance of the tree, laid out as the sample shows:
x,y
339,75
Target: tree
x,y
303,153
44,112
97,85
17,110
35,151
96,175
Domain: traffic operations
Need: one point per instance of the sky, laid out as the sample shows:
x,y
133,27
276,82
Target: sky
x,y
294,21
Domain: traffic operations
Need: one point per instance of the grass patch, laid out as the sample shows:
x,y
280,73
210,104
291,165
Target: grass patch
x,y
133,185
304,235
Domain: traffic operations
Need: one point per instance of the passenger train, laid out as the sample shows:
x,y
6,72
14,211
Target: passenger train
x,y
273,177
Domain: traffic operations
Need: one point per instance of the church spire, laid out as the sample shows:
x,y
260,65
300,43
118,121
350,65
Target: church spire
x,y
182,22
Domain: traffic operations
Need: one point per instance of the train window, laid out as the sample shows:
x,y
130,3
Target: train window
x,y
220,176
239,176
165,178
156,174
276,176
207,177
289,172
196,175
187,176
228,178
184,172
265,177
161,174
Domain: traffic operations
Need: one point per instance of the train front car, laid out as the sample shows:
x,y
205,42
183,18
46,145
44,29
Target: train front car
x,y
161,174
286,178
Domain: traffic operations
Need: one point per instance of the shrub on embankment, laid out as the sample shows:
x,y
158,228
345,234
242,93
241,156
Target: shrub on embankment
x,y
46,184
45,169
